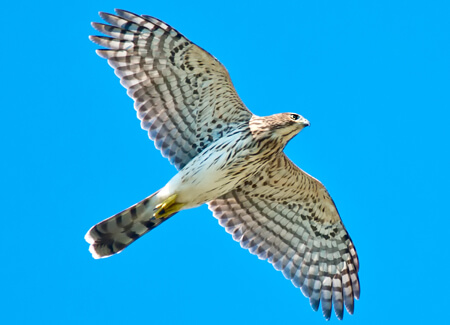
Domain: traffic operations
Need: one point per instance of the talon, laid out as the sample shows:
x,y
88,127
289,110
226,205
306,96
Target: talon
x,y
167,207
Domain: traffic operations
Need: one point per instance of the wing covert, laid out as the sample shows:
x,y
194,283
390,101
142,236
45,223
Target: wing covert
x,y
183,96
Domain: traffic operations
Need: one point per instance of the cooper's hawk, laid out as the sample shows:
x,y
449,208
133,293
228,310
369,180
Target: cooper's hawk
x,y
226,157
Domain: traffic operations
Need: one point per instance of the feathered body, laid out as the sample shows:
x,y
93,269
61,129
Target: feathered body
x,y
226,157
226,164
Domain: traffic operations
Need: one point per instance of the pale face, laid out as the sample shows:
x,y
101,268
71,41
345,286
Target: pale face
x,y
289,124
281,127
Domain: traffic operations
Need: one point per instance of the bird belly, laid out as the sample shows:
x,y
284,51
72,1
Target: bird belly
x,y
217,170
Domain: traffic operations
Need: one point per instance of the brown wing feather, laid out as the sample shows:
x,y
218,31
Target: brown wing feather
x,y
287,217
183,95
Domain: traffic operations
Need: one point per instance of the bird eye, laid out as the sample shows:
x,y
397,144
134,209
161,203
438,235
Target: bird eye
x,y
294,117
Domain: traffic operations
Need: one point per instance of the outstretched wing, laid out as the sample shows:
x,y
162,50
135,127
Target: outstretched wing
x,y
287,217
183,95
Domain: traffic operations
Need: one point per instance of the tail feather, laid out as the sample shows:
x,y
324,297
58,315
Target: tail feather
x,y
114,234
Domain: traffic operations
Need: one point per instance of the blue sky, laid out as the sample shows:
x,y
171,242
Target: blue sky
x,y
373,78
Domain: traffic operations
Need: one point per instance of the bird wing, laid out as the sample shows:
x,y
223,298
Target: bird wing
x,y
286,216
183,96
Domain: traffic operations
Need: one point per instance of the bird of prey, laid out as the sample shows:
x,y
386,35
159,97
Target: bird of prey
x,y
226,157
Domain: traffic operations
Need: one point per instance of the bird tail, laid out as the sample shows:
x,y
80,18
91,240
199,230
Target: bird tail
x,y
113,235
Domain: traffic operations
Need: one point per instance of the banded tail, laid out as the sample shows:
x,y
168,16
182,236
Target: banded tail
x,y
113,235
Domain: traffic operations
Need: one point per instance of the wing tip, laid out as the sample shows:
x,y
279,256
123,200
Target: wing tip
x,y
103,53
104,15
94,39
120,12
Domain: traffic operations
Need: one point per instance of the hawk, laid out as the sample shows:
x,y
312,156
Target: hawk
x,y
226,157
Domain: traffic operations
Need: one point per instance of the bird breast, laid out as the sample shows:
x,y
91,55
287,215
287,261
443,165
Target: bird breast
x,y
218,169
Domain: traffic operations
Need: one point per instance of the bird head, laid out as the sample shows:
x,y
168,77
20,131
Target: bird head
x,y
289,125
280,127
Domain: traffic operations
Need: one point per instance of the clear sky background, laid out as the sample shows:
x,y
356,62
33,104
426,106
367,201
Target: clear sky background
x,y
373,77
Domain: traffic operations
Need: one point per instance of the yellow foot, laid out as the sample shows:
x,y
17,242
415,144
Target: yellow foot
x,y
167,207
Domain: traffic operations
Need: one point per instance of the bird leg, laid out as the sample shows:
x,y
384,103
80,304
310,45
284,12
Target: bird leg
x,y
167,207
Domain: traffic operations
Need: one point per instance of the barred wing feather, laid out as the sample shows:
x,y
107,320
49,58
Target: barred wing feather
x,y
183,96
287,217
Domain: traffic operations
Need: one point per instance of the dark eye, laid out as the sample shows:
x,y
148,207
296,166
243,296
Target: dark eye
x,y
294,117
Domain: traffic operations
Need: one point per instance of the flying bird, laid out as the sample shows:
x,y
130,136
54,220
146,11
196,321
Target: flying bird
x,y
226,157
